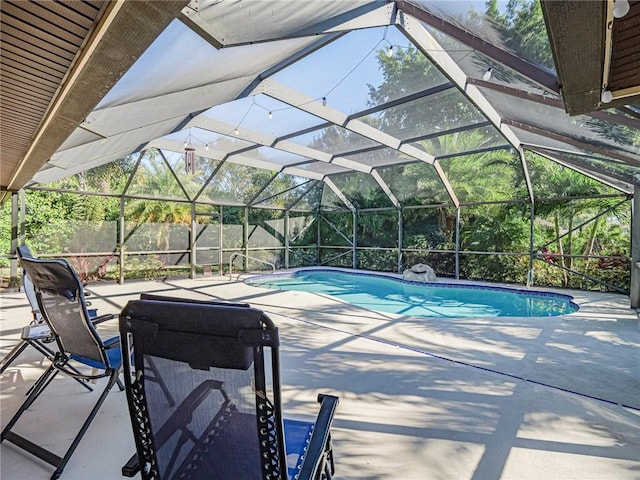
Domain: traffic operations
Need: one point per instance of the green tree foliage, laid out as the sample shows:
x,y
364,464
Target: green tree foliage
x,y
522,28
5,232
155,178
562,208
405,68
45,221
409,67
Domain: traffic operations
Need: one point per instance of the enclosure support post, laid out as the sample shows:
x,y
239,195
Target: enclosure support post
x,y
318,220
532,199
355,239
17,225
220,239
530,278
286,239
458,242
121,243
22,217
245,238
400,239
634,284
192,241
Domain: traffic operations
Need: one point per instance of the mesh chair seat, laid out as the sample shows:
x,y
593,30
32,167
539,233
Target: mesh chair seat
x,y
297,435
113,354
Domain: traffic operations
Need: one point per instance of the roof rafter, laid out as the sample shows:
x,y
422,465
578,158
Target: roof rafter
x,y
596,172
514,62
574,142
260,140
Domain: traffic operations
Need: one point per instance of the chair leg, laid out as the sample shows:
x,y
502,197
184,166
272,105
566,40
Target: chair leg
x,y
42,382
12,355
132,467
113,379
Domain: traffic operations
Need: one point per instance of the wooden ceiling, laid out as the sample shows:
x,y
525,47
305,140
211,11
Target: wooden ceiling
x,y
40,43
58,60
624,74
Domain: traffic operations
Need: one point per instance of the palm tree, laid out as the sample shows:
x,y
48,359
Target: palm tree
x,y
155,178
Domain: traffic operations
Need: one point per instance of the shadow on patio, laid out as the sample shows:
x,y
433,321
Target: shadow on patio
x,y
469,399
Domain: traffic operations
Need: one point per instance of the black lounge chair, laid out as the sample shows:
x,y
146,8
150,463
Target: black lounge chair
x,y
61,301
221,364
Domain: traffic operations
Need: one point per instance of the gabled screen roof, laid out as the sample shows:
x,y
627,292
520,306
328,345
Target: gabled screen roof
x,y
335,90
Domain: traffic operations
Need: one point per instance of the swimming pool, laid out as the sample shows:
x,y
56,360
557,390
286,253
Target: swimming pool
x,y
395,295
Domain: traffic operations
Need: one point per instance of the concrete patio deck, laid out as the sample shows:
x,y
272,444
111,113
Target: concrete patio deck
x,y
420,398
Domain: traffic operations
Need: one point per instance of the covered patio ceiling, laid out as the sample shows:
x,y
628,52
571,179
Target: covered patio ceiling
x,y
591,59
258,83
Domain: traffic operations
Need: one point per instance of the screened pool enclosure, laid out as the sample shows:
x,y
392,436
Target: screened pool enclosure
x,y
374,135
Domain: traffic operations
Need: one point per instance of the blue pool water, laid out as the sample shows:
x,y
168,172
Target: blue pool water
x,y
394,295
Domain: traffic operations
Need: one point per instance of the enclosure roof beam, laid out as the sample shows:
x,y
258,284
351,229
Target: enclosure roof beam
x,y
527,176
339,194
319,108
313,184
475,151
385,188
366,15
236,157
445,182
264,187
419,138
511,60
586,170
254,202
317,45
550,101
574,142
438,55
260,139
402,100
173,174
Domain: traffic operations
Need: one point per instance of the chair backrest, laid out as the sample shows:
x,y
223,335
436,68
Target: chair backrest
x,y
23,252
226,422
62,303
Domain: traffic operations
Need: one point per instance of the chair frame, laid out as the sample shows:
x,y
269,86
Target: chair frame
x,y
55,278
318,461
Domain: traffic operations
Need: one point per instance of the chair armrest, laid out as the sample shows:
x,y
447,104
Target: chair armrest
x,y
36,332
103,318
319,438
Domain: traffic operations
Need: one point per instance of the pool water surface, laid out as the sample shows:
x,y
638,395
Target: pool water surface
x,y
437,299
